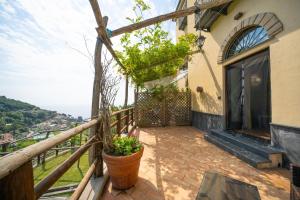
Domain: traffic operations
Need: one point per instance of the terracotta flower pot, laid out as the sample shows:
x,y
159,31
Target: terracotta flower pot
x,y
123,170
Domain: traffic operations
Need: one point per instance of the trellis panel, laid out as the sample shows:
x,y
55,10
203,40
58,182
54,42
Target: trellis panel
x,y
170,109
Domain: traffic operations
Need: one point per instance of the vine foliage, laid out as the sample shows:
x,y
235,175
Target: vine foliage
x,y
149,53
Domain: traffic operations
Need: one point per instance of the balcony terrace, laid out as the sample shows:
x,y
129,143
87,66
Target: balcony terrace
x,y
172,167
175,159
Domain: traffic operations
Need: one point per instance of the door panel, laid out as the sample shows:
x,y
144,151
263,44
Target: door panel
x,y
234,96
248,93
257,92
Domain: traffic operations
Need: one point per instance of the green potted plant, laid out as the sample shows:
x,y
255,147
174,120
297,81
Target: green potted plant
x,y
121,153
123,161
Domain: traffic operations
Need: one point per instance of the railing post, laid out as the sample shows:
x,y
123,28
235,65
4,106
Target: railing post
x,y
80,140
136,107
56,151
19,184
96,88
132,116
39,159
45,153
127,120
4,147
44,160
99,149
119,123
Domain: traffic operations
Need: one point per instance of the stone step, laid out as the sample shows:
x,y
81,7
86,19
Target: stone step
x,y
258,139
251,158
248,143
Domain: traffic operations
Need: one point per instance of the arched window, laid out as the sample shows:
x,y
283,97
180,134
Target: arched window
x,y
246,40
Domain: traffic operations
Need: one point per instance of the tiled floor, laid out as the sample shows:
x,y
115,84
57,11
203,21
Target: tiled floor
x,y
175,159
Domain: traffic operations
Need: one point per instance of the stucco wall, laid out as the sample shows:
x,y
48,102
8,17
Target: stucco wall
x,y
284,55
180,80
181,83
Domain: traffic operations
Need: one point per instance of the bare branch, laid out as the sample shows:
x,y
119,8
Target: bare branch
x,y
87,48
108,92
89,56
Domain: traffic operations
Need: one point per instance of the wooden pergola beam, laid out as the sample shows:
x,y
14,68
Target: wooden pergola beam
x,y
97,13
113,53
126,29
101,30
165,17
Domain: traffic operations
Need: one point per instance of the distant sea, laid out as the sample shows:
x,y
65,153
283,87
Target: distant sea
x,y
79,110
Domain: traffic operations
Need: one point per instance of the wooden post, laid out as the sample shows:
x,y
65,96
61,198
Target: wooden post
x,y
136,108
119,123
126,91
127,120
4,147
44,160
96,90
132,116
72,143
80,138
99,148
39,159
45,153
56,151
18,184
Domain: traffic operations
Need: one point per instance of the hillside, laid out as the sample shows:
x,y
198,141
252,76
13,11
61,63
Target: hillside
x,y
17,116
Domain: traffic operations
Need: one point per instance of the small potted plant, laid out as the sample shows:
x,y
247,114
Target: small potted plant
x,y
123,161
121,153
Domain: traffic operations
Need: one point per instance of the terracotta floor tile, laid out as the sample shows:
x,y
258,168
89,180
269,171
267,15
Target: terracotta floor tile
x,y
175,159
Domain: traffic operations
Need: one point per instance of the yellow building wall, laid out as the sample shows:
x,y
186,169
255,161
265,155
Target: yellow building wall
x,y
204,70
181,83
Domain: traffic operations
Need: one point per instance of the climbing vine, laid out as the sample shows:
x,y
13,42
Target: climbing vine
x,y
149,53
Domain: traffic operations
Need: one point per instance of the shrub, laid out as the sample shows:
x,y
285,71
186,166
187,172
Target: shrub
x,y
125,146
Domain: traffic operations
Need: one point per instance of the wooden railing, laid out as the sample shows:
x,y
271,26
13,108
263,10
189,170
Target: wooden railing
x,y
6,145
16,171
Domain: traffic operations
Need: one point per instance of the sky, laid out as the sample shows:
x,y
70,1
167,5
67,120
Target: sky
x,y
43,54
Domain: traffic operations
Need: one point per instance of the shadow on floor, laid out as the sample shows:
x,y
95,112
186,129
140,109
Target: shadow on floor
x,y
175,159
